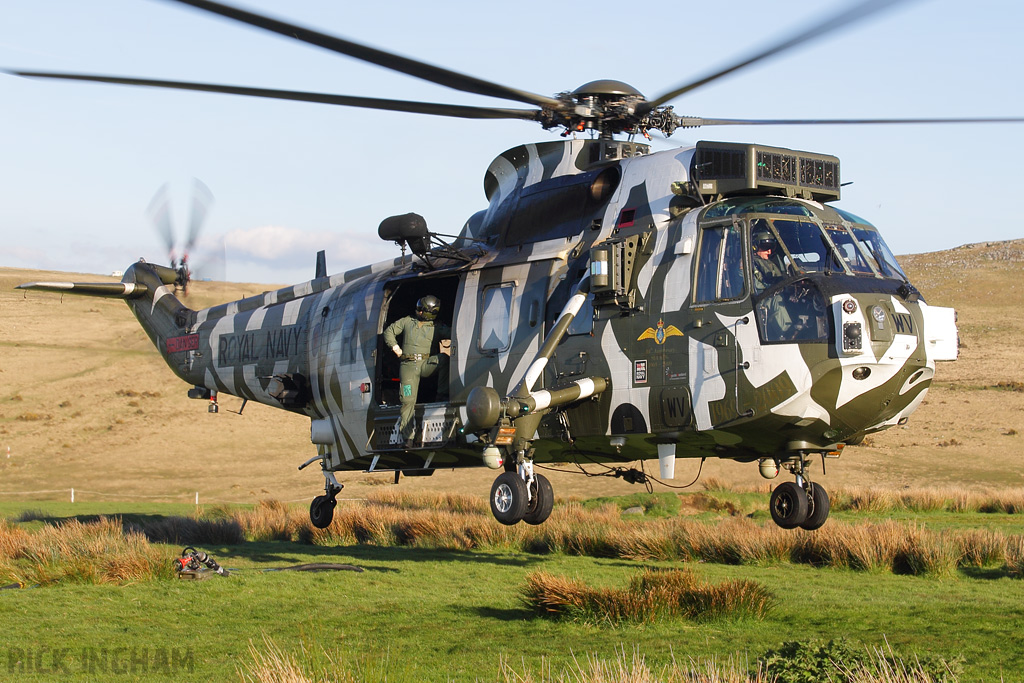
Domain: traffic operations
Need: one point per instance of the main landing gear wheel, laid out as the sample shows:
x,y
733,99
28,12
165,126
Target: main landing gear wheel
x,y
321,510
509,498
789,505
819,506
543,499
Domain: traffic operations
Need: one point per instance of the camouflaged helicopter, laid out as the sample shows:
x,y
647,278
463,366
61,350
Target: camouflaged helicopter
x,y
611,304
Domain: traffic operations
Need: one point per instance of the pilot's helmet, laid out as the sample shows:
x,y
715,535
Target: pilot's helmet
x,y
428,307
763,240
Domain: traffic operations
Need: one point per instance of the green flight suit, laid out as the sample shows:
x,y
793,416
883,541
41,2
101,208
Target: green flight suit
x,y
420,358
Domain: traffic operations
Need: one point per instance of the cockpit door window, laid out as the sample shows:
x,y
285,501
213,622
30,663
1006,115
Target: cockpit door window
x,y
720,264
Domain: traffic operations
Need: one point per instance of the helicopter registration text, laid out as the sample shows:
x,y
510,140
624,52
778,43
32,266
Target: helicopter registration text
x,y
251,347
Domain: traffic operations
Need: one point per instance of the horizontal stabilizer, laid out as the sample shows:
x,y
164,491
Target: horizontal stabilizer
x,y
112,290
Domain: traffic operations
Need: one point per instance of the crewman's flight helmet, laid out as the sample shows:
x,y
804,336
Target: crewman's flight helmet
x,y
428,307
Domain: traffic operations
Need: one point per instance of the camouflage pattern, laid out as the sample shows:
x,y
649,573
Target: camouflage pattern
x,y
665,367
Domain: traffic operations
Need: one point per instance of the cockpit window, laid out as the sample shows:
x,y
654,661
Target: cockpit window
x,y
805,245
720,264
796,312
879,251
849,250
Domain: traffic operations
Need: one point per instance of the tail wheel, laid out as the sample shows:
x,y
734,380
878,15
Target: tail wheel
x,y
819,507
321,511
509,498
539,507
789,505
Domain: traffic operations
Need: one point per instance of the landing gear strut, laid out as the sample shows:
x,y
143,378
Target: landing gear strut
x,y
521,495
801,503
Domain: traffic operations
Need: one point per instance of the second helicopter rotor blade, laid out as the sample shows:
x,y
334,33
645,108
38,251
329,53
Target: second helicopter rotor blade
x,y
842,20
388,60
432,108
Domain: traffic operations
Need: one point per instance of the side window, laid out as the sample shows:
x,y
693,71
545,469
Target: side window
x,y
720,264
496,312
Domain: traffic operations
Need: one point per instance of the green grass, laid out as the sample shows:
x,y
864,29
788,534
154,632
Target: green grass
x,y
653,504
418,614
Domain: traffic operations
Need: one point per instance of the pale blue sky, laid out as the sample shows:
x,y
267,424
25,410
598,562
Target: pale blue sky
x,y
79,163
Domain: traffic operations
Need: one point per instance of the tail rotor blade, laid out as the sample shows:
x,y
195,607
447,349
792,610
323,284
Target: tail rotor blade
x,y
202,198
159,212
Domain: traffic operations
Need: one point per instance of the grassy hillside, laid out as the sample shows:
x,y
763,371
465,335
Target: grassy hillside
x,y
86,402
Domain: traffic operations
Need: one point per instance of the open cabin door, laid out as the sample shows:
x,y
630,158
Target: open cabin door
x,y
433,418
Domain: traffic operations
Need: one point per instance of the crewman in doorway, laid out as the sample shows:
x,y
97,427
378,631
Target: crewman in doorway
x,y
420,356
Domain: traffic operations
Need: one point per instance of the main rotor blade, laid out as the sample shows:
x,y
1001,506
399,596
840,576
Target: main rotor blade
x,y
695,121
388,60
838,21
433,108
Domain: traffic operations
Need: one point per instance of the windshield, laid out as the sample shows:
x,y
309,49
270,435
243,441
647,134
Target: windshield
x,y
879,252
850,251
805,246
787,239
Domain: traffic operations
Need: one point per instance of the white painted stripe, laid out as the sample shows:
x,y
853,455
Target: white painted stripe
x,y
542,399
575,304
255,321
160,293
535,372
586,387
291,311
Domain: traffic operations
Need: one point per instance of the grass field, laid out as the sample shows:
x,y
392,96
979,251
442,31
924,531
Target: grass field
x,y
419,612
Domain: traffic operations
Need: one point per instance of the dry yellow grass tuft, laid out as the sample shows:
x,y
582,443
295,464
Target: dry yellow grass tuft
x,y
13,540
271,664
652,595
101,551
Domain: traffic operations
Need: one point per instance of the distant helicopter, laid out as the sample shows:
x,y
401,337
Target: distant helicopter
x,y
610,305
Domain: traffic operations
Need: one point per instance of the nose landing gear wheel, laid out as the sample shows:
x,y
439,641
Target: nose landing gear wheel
x,y
789,505
539,507
819,507
508,498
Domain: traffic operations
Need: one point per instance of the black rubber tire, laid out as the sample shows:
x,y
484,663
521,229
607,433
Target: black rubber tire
x,y
539,507
819,507
508,498
788,505
321,511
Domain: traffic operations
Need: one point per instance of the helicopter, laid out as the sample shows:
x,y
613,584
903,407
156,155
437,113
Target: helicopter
x,y
611,304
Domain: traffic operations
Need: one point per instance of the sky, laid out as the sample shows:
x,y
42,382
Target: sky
x,y
80,162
